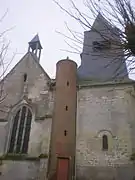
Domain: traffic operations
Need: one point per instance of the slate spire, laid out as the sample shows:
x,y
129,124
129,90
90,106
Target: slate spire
x,y
35,46
101,59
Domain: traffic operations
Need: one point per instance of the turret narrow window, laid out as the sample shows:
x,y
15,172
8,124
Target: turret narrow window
x,y
20,131
105,143
66,108
65,133
67,83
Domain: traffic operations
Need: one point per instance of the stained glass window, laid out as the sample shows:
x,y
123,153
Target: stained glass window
x,y
20,131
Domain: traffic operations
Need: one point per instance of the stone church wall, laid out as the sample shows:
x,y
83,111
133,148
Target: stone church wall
x,y
37,97
23,170
40,100
105,110
40,137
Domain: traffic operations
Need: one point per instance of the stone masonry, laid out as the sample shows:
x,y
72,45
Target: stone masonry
x,y
105,109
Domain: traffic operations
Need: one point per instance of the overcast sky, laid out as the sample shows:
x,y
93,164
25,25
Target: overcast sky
x,y
29,17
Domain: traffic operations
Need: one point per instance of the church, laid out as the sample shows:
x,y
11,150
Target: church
x,y
78,126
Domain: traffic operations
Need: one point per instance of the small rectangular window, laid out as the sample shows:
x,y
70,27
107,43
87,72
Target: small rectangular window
x,y
101,45
25,77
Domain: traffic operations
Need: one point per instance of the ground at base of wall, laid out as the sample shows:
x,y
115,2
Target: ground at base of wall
x,y
123,172
23,170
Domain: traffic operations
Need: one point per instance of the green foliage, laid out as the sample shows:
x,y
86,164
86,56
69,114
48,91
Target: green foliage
x,y
41,156
132,157
44,117
22,157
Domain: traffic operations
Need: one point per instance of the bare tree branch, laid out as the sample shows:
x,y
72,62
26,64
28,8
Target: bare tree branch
x,y
4,63
119,14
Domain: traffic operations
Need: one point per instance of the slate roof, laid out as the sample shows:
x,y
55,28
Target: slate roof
x,y
34,41
101,65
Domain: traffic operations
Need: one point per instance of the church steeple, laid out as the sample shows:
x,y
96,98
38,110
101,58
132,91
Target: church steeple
x,y
35,46
102,58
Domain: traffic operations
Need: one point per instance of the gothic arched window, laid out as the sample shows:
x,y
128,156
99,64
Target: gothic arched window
x,y
20,131
105,142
